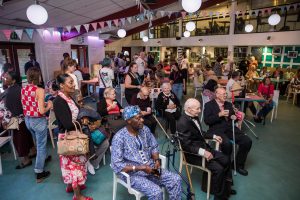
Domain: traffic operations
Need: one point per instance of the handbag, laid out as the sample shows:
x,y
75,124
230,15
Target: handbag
x,y
13,123
73,143
98,137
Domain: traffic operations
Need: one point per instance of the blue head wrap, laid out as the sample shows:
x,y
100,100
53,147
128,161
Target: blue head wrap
x,y
130,111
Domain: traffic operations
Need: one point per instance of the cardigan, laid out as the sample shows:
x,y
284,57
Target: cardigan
x,y
163,101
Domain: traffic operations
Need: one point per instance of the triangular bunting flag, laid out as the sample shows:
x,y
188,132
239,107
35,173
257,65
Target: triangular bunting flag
x,y
94,25
123,21
69,28
29,32
86,26
7,33
77,27
40,32
141,16
116,22
51,30
154,13
211,13
282,8
295,6
60,30
237,13
204,13
183,14
145,12
129,19
169,13
224,14
250,13
269,11
288,7
109,24
19,32
256,12
101,24
162,13
217,14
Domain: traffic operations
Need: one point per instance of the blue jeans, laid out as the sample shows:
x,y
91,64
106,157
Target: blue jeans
x,y
38,128
101,91
177,88
265,109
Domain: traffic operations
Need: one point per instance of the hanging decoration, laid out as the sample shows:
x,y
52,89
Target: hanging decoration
x,y
145,39
187,34
191,6
19,32
86,26
274,19
190,26
7,33
37,14
249,28
121,33
29,32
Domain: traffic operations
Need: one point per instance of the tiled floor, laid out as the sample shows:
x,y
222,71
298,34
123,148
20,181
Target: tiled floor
x,y
273,166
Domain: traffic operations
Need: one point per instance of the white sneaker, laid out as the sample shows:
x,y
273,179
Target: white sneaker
x,y
90,168
97,167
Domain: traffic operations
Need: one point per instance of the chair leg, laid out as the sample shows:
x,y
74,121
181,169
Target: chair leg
x,y
115,186
272,115
208,184
13,148
276,112
51,137
104,160
180,164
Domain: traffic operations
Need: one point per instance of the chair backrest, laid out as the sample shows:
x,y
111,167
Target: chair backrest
x,y
51,120
276,96
163,161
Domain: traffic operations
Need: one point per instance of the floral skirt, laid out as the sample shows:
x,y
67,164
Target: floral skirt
x,y
73,169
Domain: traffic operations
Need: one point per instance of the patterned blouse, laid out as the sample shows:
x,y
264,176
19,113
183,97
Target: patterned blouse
x,y
133,150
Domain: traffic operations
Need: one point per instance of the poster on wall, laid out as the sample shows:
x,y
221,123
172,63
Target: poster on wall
x,y
292,54
276,50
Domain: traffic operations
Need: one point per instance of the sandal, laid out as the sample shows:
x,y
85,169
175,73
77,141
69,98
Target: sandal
x,y
22,165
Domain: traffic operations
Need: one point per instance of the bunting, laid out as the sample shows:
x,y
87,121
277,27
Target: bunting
x,y
69,28
51,30
29,32
7,33
77,27
108,24
183,14
116,22
162,13
129,19
123,21
19,32
86,26
94,25
40,32
101,24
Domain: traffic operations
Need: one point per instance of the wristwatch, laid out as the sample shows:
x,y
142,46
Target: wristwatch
x,y
133,168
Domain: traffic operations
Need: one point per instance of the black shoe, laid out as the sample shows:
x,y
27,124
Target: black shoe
x,y
48,159
41,176
232,192
242,171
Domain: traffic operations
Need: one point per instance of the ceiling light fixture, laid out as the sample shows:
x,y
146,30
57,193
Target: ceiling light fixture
x,y
249,28
190,26
37,14
274,19
191,6
187,34
121,33
145,39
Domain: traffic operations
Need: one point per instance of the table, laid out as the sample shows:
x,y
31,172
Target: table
x,y
94,82
274,80
250,97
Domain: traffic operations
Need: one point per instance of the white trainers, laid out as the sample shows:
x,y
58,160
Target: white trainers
x,y
90,168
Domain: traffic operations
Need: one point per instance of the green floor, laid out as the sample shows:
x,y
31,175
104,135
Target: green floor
x,y
273,165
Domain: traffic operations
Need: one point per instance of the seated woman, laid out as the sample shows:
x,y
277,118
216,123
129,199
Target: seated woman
x,y
266,90
209,89
169,106
111,109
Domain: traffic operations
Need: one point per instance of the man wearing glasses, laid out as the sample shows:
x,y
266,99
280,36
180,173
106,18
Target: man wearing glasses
x,y
134,150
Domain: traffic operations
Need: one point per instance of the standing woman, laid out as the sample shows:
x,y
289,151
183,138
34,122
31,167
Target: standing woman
x,y
132,82
69,67
22,138
34,109
177,80
66,111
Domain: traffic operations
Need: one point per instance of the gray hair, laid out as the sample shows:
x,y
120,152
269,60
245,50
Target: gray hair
x,y
189,103
165,84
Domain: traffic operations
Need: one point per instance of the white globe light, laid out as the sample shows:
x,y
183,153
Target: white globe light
x,y
274,19
249,28
121,33
145,39
190,26
37,14
187,34
191,5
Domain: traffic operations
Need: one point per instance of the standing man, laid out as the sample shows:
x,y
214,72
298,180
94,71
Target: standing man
x,y
33,63
192,139
218,115
141,65
134,150
65,56
106,76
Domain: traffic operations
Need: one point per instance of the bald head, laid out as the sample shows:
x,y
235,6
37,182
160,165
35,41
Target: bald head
x,y
144,92
192,107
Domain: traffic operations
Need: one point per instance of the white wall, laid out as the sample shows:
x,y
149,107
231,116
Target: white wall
x,y
49,50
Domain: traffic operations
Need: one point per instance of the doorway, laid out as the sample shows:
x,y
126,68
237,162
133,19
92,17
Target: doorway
x,y
80,54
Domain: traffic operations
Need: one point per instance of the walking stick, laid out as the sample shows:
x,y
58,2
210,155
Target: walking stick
x,y
233,138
